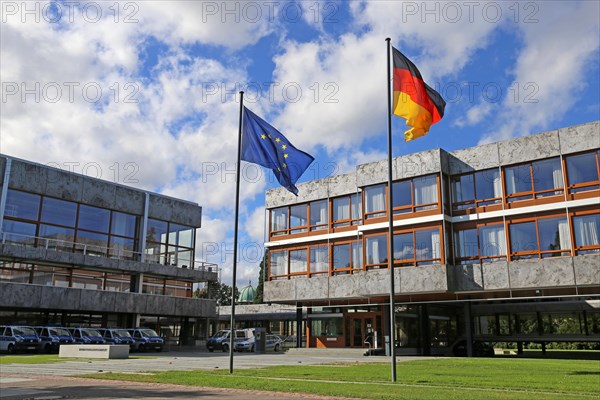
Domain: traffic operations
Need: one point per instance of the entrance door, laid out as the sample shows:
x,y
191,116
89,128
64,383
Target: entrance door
x,y
361,328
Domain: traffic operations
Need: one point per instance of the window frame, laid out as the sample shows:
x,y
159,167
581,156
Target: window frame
x,y
415,261
576,188
413,207
479,258
537,254
457,206
532,193
355,198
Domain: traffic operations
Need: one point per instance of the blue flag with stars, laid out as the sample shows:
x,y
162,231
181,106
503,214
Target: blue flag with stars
x,y
264,145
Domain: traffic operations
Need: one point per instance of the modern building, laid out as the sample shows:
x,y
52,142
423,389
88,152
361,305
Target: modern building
x,y
79,251
495,243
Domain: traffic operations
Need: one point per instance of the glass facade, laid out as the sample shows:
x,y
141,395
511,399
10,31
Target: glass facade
x,y
170,243
69,226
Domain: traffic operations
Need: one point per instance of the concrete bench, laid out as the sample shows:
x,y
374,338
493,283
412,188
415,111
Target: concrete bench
x,y
94,351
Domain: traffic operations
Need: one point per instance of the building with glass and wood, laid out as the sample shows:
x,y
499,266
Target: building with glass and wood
x,y
79,251
494,243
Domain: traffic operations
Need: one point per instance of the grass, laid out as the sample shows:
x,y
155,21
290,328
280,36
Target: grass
x,y
446,379
46,359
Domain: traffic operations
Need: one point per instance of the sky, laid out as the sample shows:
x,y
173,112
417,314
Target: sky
x,y
145,93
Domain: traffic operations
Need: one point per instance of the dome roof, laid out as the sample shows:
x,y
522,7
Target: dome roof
x,y
247,295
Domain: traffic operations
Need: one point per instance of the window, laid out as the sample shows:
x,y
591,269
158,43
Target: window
x,y
403,199
19,232
319,215
547,237
415,194
91,243
93,219
484,243
279,221
534,180
278,263
123,224
587,233
347,257
59,212
492,242
58,238
376,252
425,192
341,259
166,243
298,262
582,172
347,210
153,285
319,260
298,219
375,201
21,205
417,248
477,189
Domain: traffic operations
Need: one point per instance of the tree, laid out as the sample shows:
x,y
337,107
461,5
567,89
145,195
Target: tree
x,y
221,292
258,299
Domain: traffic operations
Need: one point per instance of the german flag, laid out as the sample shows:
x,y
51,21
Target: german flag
x,y
414,100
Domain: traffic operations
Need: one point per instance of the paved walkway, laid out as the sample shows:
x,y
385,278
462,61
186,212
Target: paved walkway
x,y
61,381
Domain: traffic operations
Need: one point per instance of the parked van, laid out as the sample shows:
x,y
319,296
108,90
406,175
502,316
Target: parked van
x,y
18,338
220,340
117,336
146,339
87,335
51,337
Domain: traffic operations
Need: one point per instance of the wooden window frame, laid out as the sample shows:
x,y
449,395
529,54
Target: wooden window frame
x,y
414,262
537,254
573,190
479,258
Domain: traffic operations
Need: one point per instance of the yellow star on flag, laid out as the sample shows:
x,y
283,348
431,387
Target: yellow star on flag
x,y
284,147
263,136
286,155
278,140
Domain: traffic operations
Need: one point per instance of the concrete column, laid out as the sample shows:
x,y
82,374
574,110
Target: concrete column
x,y
468,329
4,192
299,326
144,230
425,331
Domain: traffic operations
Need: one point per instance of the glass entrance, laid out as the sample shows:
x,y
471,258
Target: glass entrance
x,y
362,330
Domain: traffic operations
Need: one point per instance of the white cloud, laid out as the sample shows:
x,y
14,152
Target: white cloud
x,y
475,115
556,53
353,66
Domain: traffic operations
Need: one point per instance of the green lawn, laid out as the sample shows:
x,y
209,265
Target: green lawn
x,y
447,379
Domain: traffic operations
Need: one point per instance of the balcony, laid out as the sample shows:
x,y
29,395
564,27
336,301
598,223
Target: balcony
x,y
29,249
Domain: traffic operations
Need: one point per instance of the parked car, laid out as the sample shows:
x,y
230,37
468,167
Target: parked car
x,y
51,337
272,343
18,338
117,336
480,349
146,339
87,335
220,340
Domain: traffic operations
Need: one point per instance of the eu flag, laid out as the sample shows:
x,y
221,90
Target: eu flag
x,y
264,145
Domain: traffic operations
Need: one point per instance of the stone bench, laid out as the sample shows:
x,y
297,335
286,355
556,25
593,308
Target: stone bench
x,y
94,351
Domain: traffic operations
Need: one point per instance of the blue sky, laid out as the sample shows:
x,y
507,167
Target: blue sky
x,y
147,89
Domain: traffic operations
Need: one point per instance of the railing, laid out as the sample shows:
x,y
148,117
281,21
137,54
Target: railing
x,y
91,250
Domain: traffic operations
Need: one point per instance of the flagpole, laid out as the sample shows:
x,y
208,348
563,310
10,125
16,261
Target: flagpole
x,y
391,217
235,235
